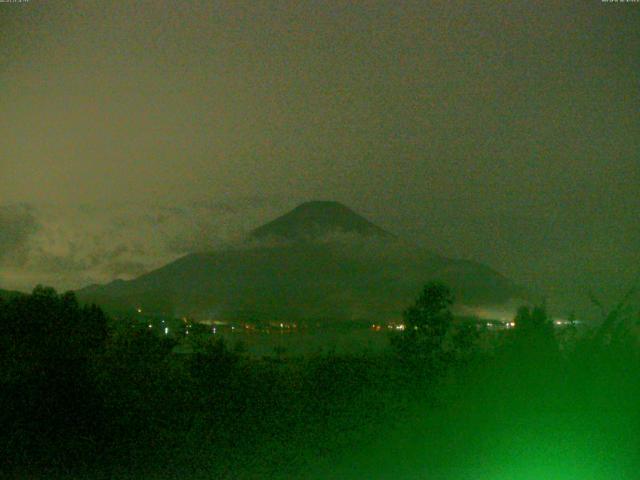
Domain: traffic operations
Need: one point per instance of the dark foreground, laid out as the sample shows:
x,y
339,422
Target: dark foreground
x,y
85,398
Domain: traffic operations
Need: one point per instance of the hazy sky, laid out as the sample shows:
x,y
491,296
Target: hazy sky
x,y
507,132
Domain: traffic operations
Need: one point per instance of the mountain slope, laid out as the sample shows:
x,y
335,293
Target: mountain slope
x,y
368,274
318,219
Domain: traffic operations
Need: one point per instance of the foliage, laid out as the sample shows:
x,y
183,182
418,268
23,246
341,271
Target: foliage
x,y
48,344
533,334
427,323
80,390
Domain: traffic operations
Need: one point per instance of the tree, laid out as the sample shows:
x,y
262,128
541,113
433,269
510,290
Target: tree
x,y
48,344
533,335
427,323
617,321
465,341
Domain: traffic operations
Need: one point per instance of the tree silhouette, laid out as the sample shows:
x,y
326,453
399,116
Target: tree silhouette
x,y
427,323
533,338
48,344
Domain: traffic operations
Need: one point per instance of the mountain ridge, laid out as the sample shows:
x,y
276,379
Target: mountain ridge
x,y
364,274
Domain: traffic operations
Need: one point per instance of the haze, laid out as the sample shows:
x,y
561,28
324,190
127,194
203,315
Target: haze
x,y
505,133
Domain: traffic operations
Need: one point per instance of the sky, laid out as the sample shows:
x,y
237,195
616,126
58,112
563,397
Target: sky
x,y
505,132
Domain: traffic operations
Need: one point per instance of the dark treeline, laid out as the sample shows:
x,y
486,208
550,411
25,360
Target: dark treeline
x,y
86,396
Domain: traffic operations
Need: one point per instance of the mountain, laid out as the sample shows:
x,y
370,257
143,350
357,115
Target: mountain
x,y
319,261
315,220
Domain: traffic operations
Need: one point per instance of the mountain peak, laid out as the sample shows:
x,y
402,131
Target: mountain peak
x,y
316,219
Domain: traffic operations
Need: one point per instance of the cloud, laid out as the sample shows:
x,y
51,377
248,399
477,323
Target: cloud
x,y
72,246
126,268
17,225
